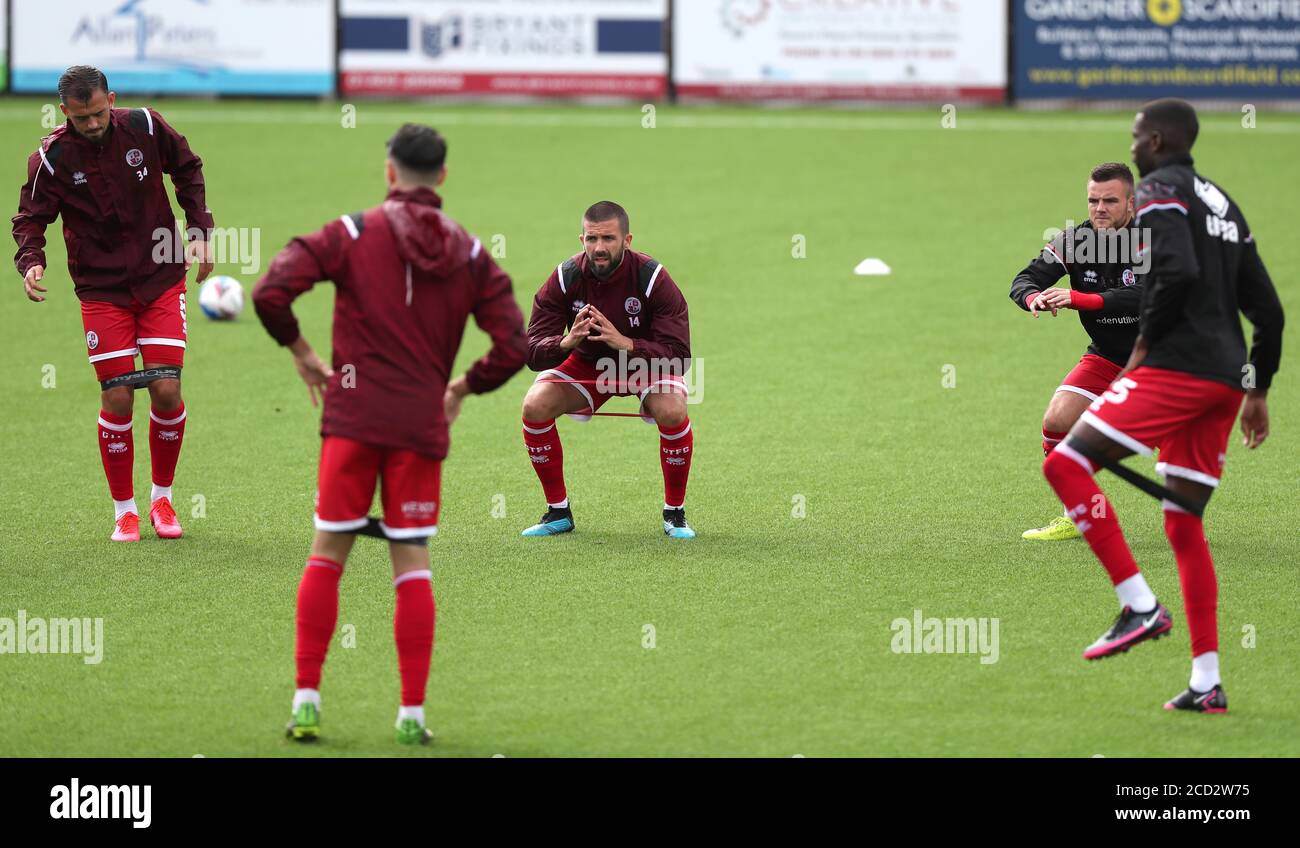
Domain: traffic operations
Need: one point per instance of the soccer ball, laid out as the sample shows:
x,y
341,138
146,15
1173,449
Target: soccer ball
x,y
221,298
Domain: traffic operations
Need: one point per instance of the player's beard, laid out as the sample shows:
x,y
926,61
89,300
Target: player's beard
x,y
93,139
614,262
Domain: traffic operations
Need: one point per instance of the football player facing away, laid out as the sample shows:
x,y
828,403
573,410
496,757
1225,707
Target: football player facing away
x,y
1097,256
608,322
1179,393
103,172
407,278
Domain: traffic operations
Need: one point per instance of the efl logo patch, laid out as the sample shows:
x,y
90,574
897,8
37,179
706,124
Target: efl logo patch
x,y
92,340
134,157
1128,277
632,305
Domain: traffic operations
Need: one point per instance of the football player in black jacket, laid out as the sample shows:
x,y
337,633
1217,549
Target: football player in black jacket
x,y
1179,393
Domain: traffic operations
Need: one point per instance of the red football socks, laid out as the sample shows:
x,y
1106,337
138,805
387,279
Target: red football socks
x,y
166,432
318,612
676,444
1070,474
1196,574
413,625
1051,439
117,450
547,454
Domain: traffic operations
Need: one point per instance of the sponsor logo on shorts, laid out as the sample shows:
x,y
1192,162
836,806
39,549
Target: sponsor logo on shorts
x,y
134,157
577,305
92,340
117,447
79,178
632,305
419,509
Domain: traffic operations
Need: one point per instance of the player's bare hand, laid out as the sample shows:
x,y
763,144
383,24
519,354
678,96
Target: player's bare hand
x,y
315,373
1037,305
32,283
454,397
578,333
1054,299
200,252
1254,420
603,330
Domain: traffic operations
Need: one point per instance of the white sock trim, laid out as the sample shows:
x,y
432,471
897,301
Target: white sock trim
x,y
1070,453
167,421
671,436
416,712
426,574
160,492
121,508
564,504
117,428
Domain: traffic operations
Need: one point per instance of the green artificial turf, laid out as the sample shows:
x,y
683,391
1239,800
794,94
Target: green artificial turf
x,y
838,483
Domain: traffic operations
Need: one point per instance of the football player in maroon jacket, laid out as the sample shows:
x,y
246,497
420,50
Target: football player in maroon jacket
x,y
407,279
608,322
102,171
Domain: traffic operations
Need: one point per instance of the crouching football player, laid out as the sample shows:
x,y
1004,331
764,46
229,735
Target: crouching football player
x,y
608,322
1097,256
407,277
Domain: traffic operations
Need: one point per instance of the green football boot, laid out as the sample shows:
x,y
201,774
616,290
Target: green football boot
x,y
1059,529
411,732
305,724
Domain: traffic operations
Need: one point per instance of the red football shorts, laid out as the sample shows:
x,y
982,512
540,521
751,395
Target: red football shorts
x,y
598,383
115,334
1092,376
411,488
1189,419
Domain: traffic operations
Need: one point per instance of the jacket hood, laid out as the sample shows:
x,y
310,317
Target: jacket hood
x,y
427,240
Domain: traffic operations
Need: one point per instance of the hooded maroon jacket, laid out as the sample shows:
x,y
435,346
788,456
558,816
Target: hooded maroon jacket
x,y
639,298
113,203
407,278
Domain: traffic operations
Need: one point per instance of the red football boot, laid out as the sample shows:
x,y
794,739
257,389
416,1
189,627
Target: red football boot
x,y
164,520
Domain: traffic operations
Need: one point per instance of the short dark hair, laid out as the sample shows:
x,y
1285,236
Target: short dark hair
x,y
1107,171
80,82
1175,120
607,210
418,150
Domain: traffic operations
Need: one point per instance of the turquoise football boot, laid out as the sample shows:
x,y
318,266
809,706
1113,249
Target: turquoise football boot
x,y
675,526
554,522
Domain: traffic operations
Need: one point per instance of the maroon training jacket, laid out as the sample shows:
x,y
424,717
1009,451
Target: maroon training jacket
x,y
407,278
639,299
114,206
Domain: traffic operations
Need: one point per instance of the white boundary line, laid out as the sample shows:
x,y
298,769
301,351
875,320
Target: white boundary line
x,y
670,118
